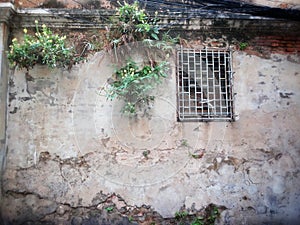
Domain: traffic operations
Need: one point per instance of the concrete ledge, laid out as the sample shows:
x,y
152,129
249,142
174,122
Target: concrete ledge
x,y
193,20
7,10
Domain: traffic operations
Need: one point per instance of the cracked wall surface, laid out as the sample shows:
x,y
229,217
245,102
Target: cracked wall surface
x,y
69,149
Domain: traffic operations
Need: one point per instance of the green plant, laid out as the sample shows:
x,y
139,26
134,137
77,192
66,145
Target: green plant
x,y
134,85
181,215
130,24
131,83
43,47
213,215
146,153
203,218
184,143
243,45
198,221
109,209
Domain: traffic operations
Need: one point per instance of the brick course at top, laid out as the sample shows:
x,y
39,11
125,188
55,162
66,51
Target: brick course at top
x,y
278,44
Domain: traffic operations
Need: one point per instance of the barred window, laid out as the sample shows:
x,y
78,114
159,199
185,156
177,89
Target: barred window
x,y
204,85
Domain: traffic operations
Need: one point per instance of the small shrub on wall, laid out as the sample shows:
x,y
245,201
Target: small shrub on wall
x,y
43,47
131,24
133,83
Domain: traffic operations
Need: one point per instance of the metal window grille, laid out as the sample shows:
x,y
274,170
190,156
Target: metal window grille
x,y
204,82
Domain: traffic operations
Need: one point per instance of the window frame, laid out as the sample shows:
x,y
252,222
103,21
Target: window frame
x,y
221,109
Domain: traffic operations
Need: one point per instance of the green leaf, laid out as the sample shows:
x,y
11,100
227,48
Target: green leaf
x,y
109,209
154,36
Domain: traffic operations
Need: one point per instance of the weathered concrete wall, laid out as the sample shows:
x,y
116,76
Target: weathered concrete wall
x,y
69,149
68,146
5,14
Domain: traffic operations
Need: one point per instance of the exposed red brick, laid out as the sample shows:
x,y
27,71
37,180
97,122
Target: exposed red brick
x,y
278,49
277,44
290,45
272,37
290,38
290,49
